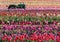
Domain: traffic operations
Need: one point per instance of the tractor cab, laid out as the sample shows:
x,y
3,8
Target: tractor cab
x,y
21,5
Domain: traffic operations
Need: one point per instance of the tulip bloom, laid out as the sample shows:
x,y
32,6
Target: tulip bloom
x,y
17,38
9,38
21,37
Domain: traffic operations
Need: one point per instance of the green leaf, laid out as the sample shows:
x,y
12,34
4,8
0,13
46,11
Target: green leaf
x,y
51,40
20,18
27,18
1,17
28,40
0,40
54,18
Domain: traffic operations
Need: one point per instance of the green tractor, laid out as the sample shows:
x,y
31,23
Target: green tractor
x,y
19,6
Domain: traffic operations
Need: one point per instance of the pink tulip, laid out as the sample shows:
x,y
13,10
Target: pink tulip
x,y
10,27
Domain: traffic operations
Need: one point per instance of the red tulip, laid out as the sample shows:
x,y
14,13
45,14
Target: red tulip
x,y
34,37
21,37
22,23
46,36
9,38
4,37
58,33
40,41
17,38
12,35
43,37
58,38
51,36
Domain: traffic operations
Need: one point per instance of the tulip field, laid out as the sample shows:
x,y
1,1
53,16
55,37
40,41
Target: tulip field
x,y
30,26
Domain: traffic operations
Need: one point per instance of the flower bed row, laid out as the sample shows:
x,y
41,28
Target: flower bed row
x,y
32,20
32,38
29,12
41,33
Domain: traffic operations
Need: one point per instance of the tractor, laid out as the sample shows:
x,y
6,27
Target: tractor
x,y
19,6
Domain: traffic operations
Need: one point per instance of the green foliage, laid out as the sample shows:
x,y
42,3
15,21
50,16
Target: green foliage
x,y
29,18
28,40
51,40
0,40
